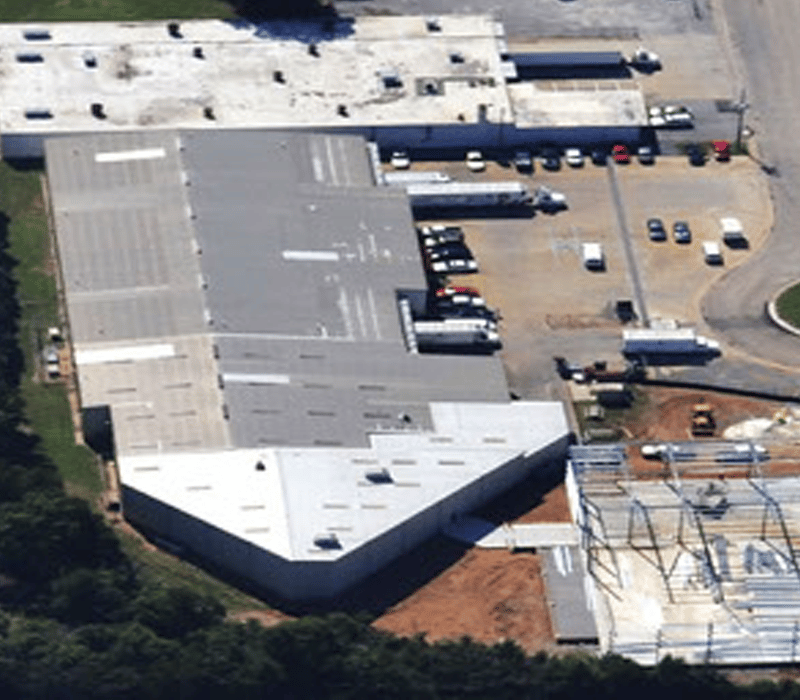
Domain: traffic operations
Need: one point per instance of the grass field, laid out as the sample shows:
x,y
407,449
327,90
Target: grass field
x,y
46,406
110,10
788,305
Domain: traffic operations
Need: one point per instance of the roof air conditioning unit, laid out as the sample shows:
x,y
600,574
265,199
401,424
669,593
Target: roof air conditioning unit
x,y
327,540
379,476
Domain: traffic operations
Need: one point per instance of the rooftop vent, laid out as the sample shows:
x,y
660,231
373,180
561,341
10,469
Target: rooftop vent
x,y
260,466
208,113
197,52
341,110
432,24
174,30
37,113
328,540
36,35
97,110
89,60
278,76
30,58
378,476
313,50
456,57
429,87
391,80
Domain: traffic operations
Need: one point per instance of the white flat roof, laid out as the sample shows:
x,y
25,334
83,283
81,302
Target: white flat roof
x,y
377,71
297,494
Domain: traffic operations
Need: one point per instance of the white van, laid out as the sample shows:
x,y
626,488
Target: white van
x,y
593,258
712,253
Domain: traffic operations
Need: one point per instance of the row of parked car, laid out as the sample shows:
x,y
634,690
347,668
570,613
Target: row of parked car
x,y
445,251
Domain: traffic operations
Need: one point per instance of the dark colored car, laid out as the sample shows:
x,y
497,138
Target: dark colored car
x,y
599,156
551,160
696,155
656,230
462,311
682,232
449,250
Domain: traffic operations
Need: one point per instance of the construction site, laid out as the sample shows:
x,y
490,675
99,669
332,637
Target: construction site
x,y
691,552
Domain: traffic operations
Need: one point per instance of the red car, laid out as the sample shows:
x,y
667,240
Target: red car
x,y
450,291
620,154
722,150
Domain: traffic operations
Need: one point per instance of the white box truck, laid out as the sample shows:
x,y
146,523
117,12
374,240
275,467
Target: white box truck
x,y
733,233
593,257
712,253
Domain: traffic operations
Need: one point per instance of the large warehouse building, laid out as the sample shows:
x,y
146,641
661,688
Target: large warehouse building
x,y
233,305
412,82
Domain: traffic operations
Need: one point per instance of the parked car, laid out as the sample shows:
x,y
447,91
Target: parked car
x,y
523,161
464,311
697,156
681,232
444,266
573,157
453,290
671,117
436,235
599,156
550,159
400,160
646,154
722,150
475,161
620,153
656,230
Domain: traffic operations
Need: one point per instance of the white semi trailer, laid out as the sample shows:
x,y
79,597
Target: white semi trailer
x,y
429,195
674,341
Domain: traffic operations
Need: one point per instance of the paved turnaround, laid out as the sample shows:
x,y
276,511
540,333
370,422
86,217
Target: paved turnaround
x,y
765,36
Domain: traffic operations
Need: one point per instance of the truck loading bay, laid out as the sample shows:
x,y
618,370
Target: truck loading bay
x,y
531,267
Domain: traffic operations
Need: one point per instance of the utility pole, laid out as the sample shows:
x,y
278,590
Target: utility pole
x,y
741,107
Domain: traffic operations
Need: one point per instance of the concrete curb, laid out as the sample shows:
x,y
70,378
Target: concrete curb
x,y
772,311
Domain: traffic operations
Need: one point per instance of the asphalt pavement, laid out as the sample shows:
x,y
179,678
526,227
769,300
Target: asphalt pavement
x,y
765,35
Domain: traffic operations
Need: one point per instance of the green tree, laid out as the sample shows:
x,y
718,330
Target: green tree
x,y
47,534
175,611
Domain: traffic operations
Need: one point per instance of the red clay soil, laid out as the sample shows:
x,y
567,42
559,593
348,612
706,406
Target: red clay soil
x,y
667,416
668,411
489,595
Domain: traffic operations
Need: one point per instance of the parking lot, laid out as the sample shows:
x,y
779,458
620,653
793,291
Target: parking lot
x,y
532,271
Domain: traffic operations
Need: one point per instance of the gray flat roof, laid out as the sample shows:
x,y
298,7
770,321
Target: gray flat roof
x,y
242,287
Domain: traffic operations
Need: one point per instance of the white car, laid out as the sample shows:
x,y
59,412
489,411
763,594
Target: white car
x,y
475,161
574,157
400,160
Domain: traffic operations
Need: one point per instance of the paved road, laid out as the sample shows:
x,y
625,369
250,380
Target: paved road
x,y
526,19
765,33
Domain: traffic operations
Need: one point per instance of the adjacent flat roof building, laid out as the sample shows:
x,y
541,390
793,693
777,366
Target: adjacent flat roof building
x,y
411,81
233,302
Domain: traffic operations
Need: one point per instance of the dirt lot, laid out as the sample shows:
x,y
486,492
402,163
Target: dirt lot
x,y
489,595
665,414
